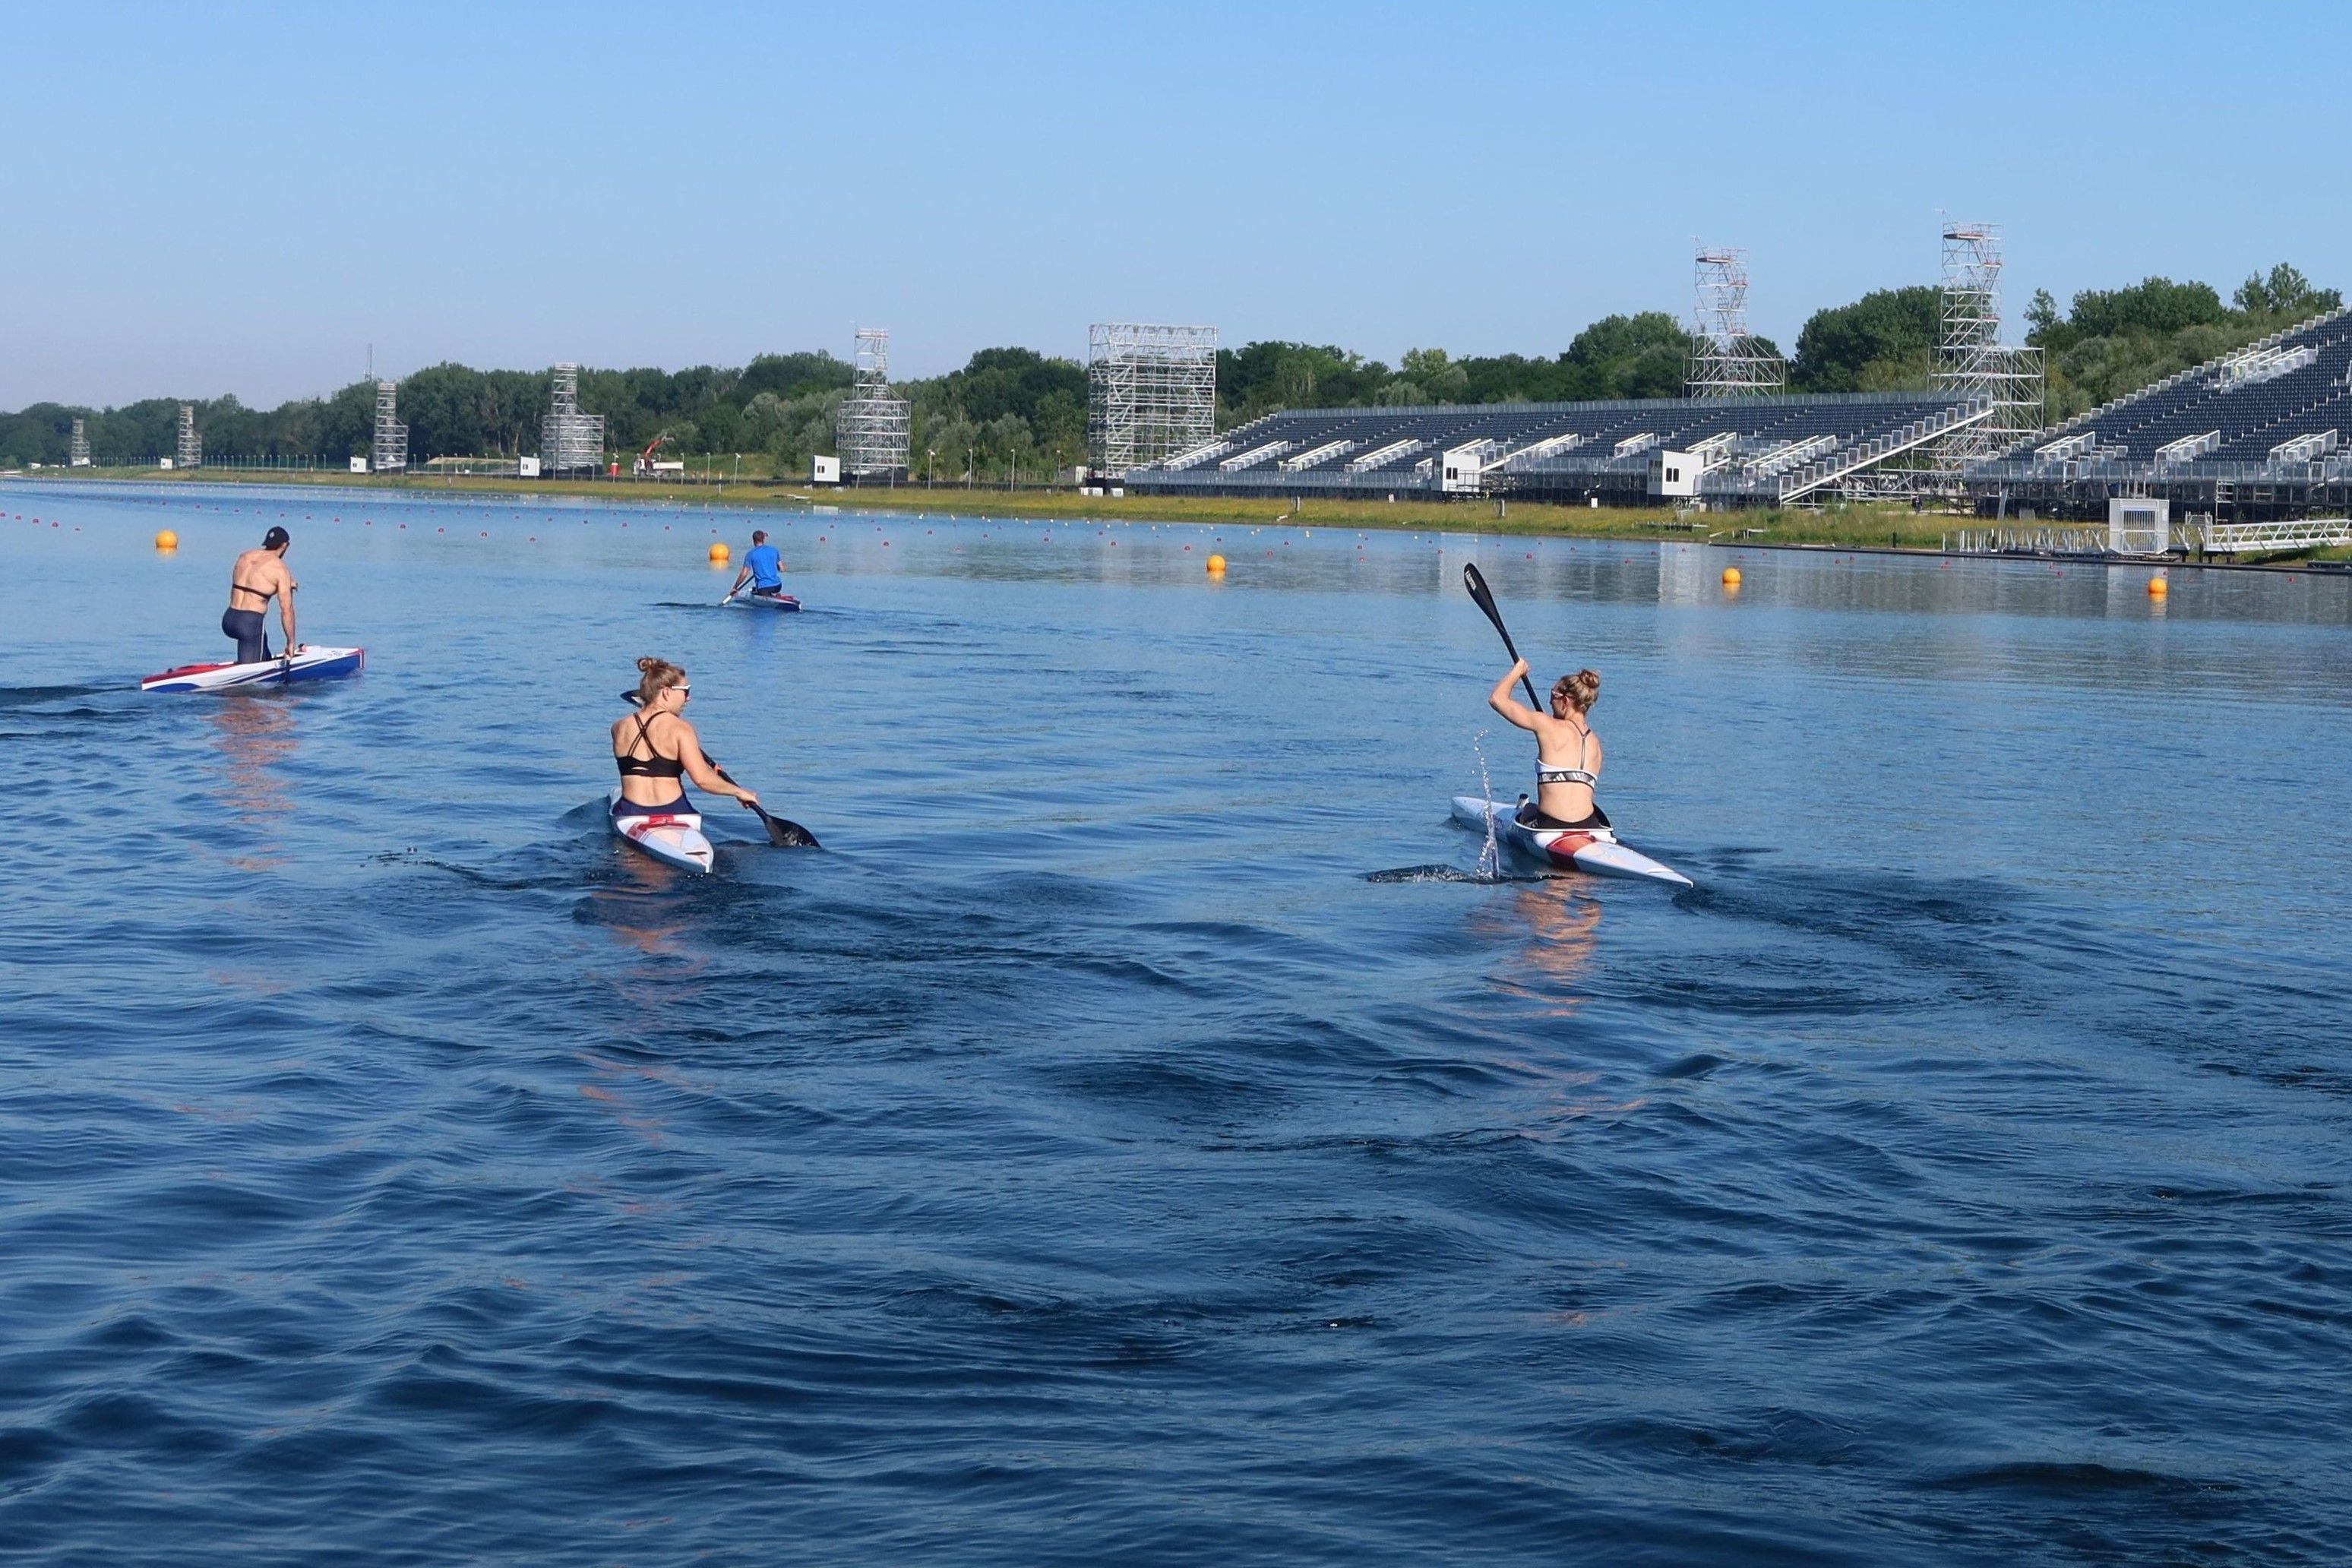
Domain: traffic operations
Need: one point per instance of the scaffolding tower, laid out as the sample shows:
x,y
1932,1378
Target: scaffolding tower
x,y
78,446
1728,362
1972,362
870,428
390,449
1152,392
190,453
570,442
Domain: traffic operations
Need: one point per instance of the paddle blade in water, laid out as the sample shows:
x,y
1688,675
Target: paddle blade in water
x,y
788,834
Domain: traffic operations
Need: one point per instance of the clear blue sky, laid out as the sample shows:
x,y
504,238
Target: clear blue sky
x,y
242,202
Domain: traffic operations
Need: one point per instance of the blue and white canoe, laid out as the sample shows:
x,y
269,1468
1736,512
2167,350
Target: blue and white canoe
x,y
308,664
673,839
1592,850
757,601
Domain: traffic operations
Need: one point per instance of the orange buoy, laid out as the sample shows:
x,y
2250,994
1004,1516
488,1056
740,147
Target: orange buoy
x,y
1731,576
719,552
167,540
1216,565
2157,587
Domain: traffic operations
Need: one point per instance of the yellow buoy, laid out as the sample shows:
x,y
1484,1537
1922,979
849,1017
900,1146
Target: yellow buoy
x,y
719,552
1731,576
2157,587
1216,563
167,540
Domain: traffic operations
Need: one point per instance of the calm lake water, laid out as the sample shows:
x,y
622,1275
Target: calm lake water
x,y
1135,1135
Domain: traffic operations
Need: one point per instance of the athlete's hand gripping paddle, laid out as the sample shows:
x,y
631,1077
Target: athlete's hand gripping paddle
x,y
1485,601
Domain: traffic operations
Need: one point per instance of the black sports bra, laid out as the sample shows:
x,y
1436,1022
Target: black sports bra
x,y
654,767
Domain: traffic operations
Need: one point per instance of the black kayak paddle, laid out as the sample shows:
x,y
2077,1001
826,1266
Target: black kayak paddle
x,y
783,832
1484,599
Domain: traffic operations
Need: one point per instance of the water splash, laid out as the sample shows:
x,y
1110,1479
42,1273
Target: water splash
x,y
1490,856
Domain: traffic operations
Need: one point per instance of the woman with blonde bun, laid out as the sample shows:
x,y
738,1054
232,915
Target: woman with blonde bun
x,y
657,750
1568,754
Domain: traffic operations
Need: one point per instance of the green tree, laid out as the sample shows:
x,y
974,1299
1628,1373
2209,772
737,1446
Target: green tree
x,y
1885,341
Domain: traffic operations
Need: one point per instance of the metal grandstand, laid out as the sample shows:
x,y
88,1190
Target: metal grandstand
x,y
1730,451
2255,434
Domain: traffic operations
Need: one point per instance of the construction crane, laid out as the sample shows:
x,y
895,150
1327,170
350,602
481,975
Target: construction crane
x,y
644,463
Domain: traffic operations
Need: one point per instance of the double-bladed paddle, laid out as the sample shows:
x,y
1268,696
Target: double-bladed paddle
x,y
1484,599
783,832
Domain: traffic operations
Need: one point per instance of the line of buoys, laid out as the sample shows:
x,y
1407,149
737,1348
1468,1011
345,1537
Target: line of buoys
x,y
1216,565
167,540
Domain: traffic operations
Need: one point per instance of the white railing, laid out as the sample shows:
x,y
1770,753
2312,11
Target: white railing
x,y
1380,455
1308,460
2306,448
1254,455
2309,533
1786,456
1537,451
2251,365
2188,449
1633,444
1195,456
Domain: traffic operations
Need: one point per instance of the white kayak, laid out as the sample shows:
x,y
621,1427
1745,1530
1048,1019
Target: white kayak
x,y
1593,850
675,838
309,664
766,601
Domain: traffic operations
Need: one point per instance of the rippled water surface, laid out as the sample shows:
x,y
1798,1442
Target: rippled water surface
x,y
1135,1133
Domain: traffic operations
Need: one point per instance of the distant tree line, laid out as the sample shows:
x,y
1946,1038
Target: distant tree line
x,y
1013,410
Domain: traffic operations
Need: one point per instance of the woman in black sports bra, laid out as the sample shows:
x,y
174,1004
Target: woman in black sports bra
x,y
657,750
1568,754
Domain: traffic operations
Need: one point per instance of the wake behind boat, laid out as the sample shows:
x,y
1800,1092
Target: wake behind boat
x,y
308,664
1592,850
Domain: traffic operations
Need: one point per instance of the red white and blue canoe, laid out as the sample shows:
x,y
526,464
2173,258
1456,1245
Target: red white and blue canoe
x,y
766,601
673,839
310,664
1593,850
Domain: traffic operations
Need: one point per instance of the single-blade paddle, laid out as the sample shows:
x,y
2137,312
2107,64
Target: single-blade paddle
x,y
1484,598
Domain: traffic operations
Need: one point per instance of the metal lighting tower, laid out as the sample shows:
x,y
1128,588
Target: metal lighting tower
x,y
570,442
870,428
1152,392
78,448
391,451
191,452
1729,363
1972,362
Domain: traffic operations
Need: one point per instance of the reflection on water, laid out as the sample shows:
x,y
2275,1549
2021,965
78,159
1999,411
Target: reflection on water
x,y
1089,1122
256,735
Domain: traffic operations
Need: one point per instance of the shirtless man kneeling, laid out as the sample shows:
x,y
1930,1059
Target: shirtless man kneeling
x,y
260,576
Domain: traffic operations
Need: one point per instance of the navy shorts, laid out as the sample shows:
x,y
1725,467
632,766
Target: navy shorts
x,y
252,640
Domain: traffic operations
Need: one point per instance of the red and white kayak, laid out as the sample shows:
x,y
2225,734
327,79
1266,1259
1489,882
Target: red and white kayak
x,y
673,839
766,601
1593,850
309,664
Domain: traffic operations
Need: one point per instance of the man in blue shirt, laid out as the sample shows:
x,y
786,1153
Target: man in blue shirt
x,y
764,568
